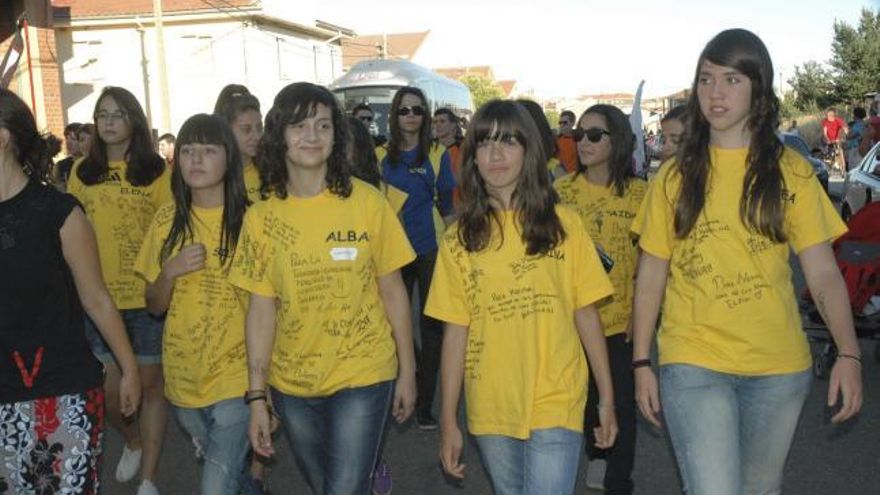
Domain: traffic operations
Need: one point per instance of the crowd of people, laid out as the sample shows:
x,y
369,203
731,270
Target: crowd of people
x,y
258,272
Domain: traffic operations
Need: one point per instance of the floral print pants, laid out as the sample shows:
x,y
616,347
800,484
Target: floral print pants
x,y
52,445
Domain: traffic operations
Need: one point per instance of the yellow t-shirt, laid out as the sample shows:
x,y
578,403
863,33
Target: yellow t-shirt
x,y
203,350
729,303
320,258
395,196
525,367
121,214
608,218
252,181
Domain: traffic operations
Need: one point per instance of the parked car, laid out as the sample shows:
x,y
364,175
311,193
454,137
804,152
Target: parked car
x,y
798,144
861,184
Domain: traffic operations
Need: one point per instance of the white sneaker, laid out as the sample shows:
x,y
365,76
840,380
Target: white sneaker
x,y
596,474
129,464
147,488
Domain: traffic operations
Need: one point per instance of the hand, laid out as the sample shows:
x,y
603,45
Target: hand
x,y
648,395
260,430
606,433
190,258
846,381
629,331
404,397
129,393
450,450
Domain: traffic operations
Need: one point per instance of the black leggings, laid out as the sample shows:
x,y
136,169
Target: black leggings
x,y
420,272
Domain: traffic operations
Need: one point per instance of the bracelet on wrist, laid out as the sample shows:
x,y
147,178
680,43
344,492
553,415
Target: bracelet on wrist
x,y
855,358
641,363
255,395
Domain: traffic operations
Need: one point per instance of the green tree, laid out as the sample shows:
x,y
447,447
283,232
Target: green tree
x,y
552,116
482,89
813,85
855,58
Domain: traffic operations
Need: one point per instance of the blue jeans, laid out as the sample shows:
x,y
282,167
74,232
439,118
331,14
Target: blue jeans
x,y
731,433
544,464
144,332
219,432
335,439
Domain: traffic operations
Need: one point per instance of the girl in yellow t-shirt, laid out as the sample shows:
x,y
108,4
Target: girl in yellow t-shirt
x,y
607,195
121,183
241,110
516,282
184,259
328,324
716,231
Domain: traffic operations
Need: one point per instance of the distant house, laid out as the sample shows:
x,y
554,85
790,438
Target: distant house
x,y
264,45
398,46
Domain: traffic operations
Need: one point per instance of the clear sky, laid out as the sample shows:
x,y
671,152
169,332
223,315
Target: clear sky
x,y
571,47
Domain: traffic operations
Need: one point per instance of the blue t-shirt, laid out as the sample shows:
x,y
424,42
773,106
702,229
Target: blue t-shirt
x,y
418,181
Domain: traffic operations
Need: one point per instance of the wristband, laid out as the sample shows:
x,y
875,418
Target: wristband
x,y
254,395
851,356
641,363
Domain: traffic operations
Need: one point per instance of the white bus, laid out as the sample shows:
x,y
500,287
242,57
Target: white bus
x,y
375,82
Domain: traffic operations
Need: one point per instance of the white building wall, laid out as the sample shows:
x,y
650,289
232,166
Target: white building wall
x,y
201,58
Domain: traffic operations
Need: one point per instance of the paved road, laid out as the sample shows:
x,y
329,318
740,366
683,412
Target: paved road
x,y
825,459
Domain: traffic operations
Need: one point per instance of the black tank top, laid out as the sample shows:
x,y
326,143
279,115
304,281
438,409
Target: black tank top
x,y
43,350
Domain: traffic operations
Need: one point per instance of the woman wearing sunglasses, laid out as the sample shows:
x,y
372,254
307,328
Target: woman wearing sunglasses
x,y
607,196
409,165
517,281
717,229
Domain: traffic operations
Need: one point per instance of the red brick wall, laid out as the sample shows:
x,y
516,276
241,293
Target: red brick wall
x,y
43,57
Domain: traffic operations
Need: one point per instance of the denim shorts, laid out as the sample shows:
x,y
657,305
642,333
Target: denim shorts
x,y
144,331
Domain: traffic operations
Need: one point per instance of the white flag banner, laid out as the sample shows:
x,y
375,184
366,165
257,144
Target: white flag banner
x,y
635,121
10,60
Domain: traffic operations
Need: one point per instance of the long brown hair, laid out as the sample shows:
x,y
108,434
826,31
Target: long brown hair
x,y
144,164
622,141
761,205
293,104
533,199
396,139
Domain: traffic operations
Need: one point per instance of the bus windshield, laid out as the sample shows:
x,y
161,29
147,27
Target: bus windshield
x,y
377,97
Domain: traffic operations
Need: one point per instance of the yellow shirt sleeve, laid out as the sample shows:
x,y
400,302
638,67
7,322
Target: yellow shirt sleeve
x,y
146,264
250,267
590,283
654,223
810,217
396,197
446,299
392,249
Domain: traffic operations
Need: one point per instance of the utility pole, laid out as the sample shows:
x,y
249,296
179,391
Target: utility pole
x,y
160,61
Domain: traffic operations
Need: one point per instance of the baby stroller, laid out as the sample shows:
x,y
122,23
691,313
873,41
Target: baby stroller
x,y
858,257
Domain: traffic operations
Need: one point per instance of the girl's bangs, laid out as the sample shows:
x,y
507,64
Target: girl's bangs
x,y
201,130
497,129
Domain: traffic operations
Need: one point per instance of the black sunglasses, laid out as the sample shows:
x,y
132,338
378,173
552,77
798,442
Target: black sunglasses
x,y
416,110
593,134
365,118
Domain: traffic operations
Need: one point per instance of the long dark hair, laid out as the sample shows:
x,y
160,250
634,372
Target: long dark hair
x,y
622,142
548,139
30,148
396,139
761,205
207,129
533,198
144,164
233,100
293,104
364,164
